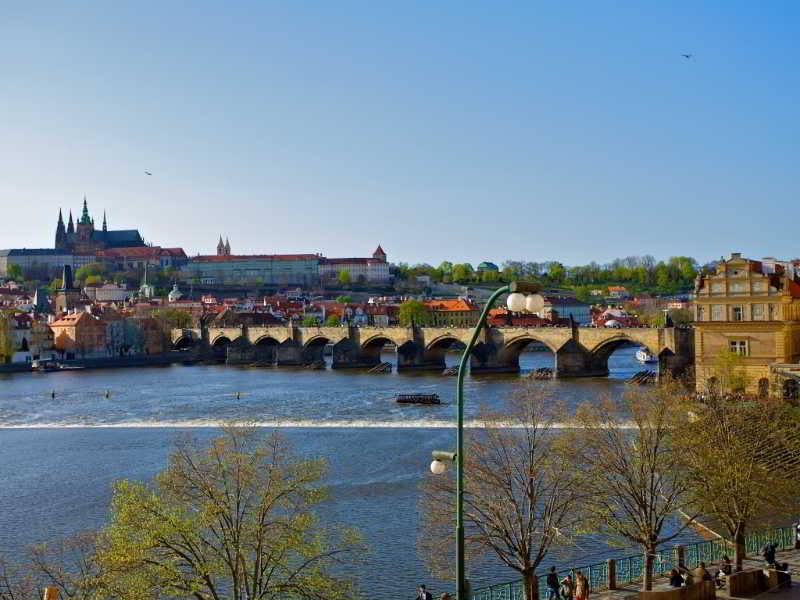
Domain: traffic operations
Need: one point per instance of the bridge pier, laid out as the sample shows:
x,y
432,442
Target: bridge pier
x,y
573,360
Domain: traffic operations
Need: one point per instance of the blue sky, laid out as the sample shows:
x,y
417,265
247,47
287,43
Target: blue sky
x,y
466,131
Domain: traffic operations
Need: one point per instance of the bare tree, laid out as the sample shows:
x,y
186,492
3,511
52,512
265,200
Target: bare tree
x,y
67,564
742,463
633,478
520,494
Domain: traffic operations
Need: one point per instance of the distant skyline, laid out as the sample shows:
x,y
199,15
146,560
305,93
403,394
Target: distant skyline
x,y
443,131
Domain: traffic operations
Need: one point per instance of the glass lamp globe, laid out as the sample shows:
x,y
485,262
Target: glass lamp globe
x,y
437,467
531,304
516,302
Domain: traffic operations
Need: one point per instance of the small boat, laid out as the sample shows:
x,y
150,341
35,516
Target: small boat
x,y
645,356
417,398
44,365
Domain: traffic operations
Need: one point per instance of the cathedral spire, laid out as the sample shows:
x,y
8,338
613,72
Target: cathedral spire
x,y
85,220
220,247
105,225
227,247
70,225
61,233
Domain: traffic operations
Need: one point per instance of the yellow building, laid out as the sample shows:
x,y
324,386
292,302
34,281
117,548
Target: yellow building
x,y
752,309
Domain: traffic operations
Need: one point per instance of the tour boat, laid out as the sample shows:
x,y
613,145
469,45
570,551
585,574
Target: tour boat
x,y
417,398
645,356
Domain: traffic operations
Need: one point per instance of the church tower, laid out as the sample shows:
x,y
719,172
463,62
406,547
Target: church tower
x,y
227,247
70,225
105,225
220,247
61,233
379,254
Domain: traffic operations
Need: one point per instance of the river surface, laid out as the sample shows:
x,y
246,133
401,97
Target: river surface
x,y
59,455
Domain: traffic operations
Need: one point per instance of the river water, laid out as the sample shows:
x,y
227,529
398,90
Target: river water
x,y
59,455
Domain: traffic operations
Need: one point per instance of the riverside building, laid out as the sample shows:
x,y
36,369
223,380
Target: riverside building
x,y
751,308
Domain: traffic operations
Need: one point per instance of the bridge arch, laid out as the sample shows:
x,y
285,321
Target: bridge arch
x,y
372,348
183,342
220,347
266,340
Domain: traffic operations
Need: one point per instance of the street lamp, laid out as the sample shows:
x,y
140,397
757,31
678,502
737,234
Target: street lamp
x,y
517,302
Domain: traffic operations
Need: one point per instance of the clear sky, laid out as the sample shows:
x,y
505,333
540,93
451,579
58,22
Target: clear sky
x,y
466,131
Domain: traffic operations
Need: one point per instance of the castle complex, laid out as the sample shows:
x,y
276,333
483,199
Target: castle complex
x,y
82,238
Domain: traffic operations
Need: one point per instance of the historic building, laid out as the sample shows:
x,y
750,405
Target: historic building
x,y
461,312
374,269
83,238
276,269
751,308
223,249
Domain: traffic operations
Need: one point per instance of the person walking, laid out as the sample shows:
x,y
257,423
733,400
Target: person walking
x,y
423,594
581,587
567,587
552,585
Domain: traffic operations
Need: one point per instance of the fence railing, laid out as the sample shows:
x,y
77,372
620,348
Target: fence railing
x,y
630,569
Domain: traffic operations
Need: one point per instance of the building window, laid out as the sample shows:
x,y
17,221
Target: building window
x,y
738,347
716,312
717,288
736,313
772,312
757,311
701,313
737,287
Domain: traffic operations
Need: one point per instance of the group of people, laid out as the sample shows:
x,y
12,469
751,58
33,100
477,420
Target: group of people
x,y
681,576
567,588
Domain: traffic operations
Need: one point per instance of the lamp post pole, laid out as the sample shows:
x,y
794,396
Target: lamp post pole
x,y
514,286
462,369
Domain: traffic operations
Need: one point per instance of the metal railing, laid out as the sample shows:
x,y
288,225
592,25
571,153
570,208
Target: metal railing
x,y
630,569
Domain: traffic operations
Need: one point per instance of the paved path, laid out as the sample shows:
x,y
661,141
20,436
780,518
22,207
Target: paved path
x,y
788,556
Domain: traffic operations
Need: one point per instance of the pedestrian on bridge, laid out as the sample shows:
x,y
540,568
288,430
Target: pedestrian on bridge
x,y
581,587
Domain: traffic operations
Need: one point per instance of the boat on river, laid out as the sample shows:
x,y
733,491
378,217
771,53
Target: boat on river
x,y
417,398
645,356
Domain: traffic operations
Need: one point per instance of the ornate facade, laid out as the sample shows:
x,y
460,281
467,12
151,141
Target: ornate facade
x,y
82,238
751,308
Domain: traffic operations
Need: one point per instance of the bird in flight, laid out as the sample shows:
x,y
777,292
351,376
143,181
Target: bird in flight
x,y
148,173
687,56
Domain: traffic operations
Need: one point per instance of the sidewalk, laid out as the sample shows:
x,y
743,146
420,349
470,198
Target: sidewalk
x,y
788,556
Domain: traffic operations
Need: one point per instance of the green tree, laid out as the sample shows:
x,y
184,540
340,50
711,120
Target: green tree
x,y
234,520
6,336
309,321
446,267
85,271
14,272
414,311
344,277
734,454
333,320
344,299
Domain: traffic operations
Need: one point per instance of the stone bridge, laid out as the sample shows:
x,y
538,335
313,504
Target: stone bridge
x,y
578,352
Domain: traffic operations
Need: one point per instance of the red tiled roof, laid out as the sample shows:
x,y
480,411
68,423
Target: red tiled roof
x,y
459,305
352,261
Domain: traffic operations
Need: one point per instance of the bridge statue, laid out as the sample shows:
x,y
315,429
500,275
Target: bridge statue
x,y
579,351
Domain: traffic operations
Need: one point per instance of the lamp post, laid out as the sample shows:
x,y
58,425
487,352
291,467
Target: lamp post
x,y
517,302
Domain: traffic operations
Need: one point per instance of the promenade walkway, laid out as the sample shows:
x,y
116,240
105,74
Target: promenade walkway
x,y
792,557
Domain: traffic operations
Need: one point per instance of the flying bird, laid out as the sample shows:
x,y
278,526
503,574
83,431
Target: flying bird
x,y
687,56
148,173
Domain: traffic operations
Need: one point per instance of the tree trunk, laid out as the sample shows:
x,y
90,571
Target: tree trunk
x,y
740,550
530,584
647,579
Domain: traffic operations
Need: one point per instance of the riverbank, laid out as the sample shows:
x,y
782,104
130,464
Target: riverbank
x,y
117,362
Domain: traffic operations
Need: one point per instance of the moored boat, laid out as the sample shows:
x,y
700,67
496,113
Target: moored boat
x,y
645,356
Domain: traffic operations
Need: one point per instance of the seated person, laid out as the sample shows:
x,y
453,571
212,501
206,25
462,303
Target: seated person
x,y
675,579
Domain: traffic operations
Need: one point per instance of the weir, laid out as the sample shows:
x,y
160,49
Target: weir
x,y
578,351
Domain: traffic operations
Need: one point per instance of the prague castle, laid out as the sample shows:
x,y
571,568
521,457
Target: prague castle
x,y
83,239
